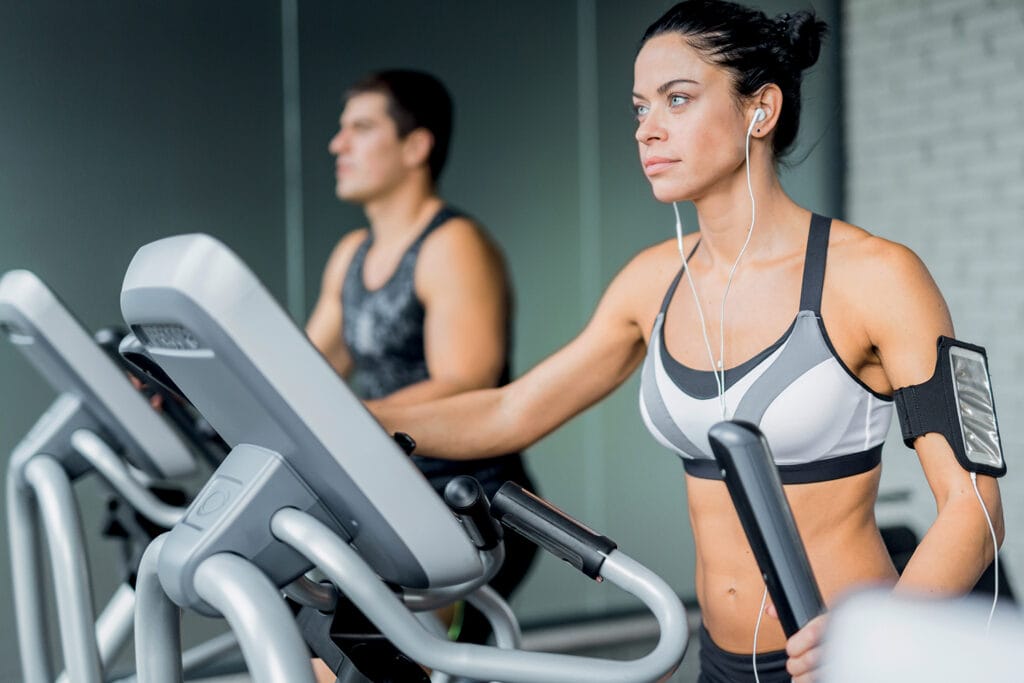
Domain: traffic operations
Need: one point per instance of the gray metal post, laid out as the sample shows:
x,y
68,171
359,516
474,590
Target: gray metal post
x,y
56,503
157,631
113,468
26,568
504,624
113,627
204,653
194,658
269,637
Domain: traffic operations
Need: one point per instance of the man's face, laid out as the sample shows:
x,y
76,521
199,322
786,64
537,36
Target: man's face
x,y
369,155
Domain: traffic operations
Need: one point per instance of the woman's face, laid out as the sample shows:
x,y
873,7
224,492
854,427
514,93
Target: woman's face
x,y
690,131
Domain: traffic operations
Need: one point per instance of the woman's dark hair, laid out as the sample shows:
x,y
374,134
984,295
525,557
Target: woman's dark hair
x,y
415,100
758,50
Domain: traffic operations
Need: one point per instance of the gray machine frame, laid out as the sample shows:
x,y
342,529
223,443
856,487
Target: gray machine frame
x,y
96,423
312,479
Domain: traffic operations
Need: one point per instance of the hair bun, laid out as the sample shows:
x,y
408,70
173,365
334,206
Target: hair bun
x,y
800,34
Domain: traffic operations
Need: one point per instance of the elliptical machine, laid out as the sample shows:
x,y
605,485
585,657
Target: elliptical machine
x,y
312,480
100,423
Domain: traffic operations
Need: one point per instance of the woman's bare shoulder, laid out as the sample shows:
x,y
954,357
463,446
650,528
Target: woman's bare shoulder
x,y
659,260
883,279
855,252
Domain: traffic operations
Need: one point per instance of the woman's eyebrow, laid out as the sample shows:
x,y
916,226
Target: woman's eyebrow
x,y
665,87
668,86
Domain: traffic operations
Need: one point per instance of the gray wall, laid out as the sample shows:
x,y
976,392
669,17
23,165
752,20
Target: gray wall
x,y
124,122
121,123
936,157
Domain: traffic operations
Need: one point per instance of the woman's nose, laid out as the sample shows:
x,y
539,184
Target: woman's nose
x,y
650,129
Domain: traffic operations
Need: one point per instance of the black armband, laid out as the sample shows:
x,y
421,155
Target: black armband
x,y
957,403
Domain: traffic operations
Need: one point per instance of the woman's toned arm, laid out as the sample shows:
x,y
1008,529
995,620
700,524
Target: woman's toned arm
x,y
958,546
905,314
495,421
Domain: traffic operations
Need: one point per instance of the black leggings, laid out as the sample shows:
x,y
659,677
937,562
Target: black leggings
x,y
719,666
519,553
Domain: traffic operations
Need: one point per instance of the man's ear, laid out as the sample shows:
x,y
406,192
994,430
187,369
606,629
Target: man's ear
x,y
416,147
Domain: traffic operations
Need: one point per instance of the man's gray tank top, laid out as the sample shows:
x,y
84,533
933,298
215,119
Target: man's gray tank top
x,y
383,328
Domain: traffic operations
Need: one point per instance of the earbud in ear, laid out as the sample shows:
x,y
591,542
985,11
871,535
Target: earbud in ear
x,y
759,115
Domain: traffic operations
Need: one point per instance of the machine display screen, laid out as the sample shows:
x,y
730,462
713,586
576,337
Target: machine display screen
x,y
170,337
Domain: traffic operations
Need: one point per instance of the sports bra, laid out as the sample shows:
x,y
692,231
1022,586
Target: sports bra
x,y
820,420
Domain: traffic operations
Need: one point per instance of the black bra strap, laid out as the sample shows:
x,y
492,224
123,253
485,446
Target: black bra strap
x,y
814,264
675,281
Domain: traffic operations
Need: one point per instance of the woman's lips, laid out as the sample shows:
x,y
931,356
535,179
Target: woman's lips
x,y
655,165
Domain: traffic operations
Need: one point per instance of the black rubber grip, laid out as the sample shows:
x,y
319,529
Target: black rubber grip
x,y
467,500
405,442
551,529
756,490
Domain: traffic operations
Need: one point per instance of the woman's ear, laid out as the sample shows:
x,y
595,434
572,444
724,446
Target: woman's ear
x,y
769,100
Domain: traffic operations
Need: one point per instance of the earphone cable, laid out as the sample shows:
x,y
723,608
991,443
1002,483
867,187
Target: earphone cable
x,y
700,311
757,628
718,369
995,550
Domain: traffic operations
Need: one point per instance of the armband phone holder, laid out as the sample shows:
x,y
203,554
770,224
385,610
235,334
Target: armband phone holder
x,y
956,402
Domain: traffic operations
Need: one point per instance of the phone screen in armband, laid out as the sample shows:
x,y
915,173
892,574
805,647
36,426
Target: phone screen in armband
x,y
975,407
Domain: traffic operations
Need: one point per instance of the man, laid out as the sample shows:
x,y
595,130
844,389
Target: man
x,y
415,306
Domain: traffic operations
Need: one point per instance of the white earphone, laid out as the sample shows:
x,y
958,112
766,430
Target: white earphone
x,y
759,116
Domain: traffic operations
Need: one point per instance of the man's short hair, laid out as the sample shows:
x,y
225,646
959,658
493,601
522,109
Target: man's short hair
x,y
415,100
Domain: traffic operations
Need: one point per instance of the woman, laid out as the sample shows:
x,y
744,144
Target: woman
x,y
830,318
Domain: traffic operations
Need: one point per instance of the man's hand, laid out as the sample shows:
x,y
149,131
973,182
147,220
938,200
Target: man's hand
x,y
155,399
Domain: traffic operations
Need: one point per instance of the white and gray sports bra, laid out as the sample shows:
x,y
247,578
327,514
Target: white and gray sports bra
x,y
820,420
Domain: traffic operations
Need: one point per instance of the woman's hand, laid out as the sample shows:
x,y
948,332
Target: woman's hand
x,y
805,649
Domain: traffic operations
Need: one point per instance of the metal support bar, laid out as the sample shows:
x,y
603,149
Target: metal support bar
x,y
358,581
26,569
113,627
271,644
309,593
507,634
113,468
157,631
56,503
436,598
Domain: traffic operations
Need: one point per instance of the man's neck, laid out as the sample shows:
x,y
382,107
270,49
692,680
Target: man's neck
x,y
398,216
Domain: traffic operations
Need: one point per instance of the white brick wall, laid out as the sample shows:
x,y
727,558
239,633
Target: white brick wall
x,y
934,102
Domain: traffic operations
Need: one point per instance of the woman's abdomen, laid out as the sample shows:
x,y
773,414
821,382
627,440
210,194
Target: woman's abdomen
x,y
836,523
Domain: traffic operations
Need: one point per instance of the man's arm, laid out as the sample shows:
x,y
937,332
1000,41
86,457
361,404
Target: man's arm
x,y
324,325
